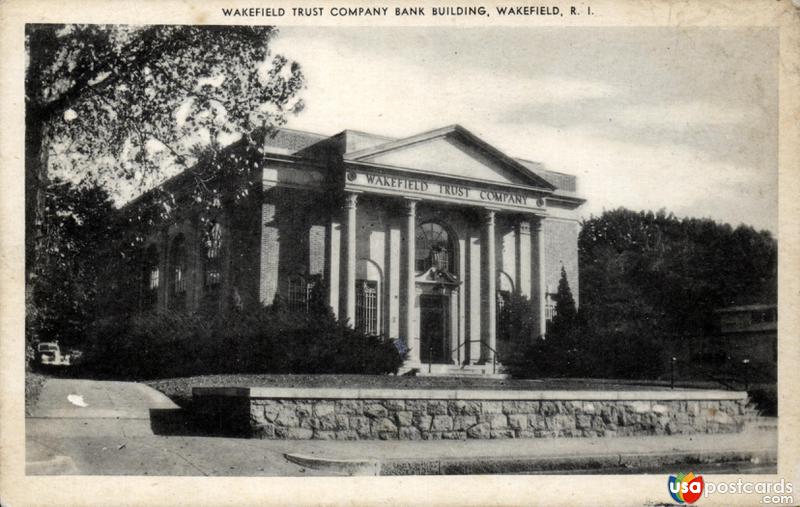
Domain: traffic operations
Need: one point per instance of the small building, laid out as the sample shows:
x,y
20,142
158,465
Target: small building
x,y
748,332
415,238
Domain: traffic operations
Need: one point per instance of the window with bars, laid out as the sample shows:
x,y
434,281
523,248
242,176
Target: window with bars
x,y
150,278
367,306
299,293
550,307
153,285
178,272
213,258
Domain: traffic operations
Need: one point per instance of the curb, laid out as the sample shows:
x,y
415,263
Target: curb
x,y
347,466
623,463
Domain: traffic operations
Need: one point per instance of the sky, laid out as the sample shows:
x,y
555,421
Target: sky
x,y
684,119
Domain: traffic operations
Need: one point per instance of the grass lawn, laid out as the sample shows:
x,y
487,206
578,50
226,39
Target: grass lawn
x,y
33,386
180,389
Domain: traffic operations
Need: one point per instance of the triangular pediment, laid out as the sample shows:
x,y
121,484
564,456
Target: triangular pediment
x,y
454,152
435,275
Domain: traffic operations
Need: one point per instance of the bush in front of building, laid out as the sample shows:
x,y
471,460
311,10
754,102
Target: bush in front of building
x,y
153,345
276,340
265,340
560,353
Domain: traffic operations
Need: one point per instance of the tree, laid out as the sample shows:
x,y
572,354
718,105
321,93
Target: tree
x,y
650,282
566,313
78,225
123,105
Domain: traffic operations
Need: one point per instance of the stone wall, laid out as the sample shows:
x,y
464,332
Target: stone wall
x,y
458,419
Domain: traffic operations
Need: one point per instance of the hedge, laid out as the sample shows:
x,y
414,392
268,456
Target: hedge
x,y
265,340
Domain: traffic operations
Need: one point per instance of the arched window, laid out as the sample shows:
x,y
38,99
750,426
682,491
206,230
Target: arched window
x,y
178,272
434,248
150,278
212,279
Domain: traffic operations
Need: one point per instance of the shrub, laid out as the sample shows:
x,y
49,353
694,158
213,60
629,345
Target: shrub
x,y
152,345
765,398
561,352
264,340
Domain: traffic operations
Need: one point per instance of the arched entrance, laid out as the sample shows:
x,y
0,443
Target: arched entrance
x,y
437,285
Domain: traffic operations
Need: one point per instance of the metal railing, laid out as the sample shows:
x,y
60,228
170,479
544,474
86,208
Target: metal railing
x,y
465,343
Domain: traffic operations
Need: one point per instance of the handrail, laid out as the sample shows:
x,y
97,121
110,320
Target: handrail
x,y
482,342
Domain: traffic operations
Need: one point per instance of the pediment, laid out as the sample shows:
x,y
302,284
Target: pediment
x,y
453,152
435,275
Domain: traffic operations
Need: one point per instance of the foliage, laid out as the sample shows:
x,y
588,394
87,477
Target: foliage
x,y
62,298
126,106
679,270
560,353
649,285
112,110
264,340
566,313
650,282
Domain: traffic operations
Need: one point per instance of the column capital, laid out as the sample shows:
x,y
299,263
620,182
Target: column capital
x,y
536,225
411,206
488,216
524,226
350,200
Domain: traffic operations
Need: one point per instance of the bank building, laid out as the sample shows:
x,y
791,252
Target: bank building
x,y
420,239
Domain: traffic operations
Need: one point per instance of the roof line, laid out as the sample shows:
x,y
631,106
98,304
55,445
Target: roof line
x,y
489,150
321,136
369,134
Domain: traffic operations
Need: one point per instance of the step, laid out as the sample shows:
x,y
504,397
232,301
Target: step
x,y
451,370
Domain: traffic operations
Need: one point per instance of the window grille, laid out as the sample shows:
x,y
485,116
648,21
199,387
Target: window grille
x,y
153,285
299,294
150,278
367,306
178,269
213,260
550,308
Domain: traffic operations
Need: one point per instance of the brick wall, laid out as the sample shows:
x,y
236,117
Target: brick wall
x,y
293,239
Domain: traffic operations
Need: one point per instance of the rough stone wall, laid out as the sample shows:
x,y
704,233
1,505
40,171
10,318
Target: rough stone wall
x,y
353,419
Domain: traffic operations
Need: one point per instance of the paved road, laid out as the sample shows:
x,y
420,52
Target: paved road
x,y
107,428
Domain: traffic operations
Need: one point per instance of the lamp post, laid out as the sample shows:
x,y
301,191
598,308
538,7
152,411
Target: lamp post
x,y
672,373
746,363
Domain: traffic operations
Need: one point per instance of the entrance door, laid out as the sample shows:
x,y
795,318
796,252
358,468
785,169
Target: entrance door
x,y
434,316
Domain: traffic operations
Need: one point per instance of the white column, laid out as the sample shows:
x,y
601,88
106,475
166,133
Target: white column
x,y
412,341
524,258
474,283
490,299
394,289
540,288
334,265
462,290
350,255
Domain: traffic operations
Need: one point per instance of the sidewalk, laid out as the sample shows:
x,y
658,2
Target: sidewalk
x,y
753,449
103,447
114,435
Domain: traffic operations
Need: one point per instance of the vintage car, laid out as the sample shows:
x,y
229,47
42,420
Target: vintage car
x,y
49,353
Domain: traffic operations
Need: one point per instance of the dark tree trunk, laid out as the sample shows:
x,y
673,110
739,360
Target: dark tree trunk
x,y
35,184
